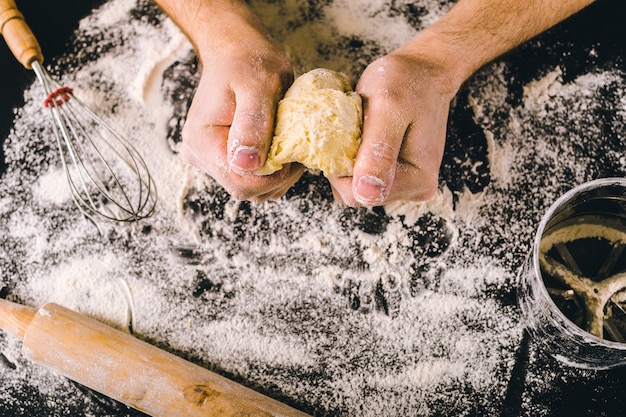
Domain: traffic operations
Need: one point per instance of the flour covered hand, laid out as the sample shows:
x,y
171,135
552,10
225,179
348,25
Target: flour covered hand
x,y
244,74
407,94
406,98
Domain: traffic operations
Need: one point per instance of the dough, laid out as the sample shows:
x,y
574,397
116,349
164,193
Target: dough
x,y
318,124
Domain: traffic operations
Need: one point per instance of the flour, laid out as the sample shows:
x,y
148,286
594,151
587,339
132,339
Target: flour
x,y
582,231
88,285
402,310
52,187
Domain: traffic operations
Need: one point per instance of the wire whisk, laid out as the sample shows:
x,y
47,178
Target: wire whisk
x,y
107,176
86,145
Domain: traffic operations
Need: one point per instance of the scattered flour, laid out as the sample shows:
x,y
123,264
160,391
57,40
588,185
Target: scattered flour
x,y
406,310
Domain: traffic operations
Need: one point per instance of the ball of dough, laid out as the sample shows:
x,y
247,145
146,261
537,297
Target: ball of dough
x,y
318,124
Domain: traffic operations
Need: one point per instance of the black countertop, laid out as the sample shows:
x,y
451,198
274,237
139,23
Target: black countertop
x,y
592,41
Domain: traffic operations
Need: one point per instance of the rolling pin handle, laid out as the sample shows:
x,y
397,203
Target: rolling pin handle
x,y
18,35
15,318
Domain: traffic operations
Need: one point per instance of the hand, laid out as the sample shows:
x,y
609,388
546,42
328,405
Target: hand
x,y
406,95
230,123
408,92
406,104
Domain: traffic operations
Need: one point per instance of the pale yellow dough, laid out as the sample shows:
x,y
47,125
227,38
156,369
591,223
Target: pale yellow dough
x,y
318,124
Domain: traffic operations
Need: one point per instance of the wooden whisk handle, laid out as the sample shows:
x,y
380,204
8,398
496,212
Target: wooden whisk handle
x,y
18,35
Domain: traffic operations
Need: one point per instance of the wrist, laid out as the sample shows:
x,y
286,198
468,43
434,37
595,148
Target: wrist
x,y
440,59
474,32
212,25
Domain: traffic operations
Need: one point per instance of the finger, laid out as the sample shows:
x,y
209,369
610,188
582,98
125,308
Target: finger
x,y
252,188
206,150
261,188
342,191
375,164
206,127
251,132
292,174
417,174
203,148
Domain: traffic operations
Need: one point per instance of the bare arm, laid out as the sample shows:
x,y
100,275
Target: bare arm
x,y
475,32
408,92
214,23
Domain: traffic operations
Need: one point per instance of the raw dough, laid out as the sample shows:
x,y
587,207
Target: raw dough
x,y
318,124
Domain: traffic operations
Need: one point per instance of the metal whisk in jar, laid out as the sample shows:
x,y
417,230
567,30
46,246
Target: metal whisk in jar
x,y
573,285
107,176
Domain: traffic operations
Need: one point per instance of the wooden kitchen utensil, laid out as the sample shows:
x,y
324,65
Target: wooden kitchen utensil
x,y
129,370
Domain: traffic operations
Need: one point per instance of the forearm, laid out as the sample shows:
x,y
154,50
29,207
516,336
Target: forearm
x,y
475,32
211,24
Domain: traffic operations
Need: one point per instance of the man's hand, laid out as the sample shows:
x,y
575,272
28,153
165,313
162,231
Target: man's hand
x,y
406,103
230,123
407,94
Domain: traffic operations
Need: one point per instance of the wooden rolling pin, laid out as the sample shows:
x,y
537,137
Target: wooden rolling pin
x,y
129,370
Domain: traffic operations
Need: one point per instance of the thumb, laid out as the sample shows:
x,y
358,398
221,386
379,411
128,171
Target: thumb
x,y
250,134
375,165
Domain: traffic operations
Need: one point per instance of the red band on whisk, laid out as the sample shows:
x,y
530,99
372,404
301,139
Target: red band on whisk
x,y
58,97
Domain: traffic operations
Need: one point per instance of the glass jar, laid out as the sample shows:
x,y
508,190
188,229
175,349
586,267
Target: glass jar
x,y
572,287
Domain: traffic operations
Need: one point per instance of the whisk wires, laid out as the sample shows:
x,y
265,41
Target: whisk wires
x,y
106,174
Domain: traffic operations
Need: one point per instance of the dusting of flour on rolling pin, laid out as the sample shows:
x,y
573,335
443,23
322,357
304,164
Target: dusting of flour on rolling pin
x,y
318,124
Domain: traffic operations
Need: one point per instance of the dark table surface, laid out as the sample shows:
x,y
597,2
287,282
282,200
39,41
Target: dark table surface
x,y
591,41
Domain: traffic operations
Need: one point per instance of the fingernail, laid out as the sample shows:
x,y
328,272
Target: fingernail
x,y
245,160
369,190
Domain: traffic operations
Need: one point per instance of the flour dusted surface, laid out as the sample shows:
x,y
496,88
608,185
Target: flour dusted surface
x,y
395,311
